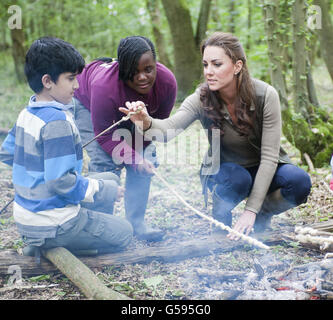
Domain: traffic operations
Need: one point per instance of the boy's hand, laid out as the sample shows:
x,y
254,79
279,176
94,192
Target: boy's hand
x,y
331,184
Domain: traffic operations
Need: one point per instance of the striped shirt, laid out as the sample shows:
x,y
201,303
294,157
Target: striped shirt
x,y
44,149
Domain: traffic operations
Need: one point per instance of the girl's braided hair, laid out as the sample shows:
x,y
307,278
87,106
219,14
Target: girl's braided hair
x,y
130,50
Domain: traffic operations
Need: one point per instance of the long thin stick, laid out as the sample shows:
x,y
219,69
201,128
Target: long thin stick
x,y
6,206
125,118
217,223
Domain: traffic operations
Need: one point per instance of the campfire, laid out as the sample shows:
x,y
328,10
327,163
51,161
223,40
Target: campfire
x,y
276,279
272,280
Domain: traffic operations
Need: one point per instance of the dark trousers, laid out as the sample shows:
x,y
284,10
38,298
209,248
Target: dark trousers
x,y
233,183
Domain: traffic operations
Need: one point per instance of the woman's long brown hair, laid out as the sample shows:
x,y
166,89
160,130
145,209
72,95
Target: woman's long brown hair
x,y
211,100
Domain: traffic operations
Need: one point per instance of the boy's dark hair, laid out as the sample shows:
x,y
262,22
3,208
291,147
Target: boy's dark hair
x,y
130,50
51,56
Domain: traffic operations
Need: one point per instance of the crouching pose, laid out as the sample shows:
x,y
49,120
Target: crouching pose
x,y
105,85
243,119
54,204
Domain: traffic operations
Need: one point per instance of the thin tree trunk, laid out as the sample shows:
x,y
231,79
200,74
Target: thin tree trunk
x,y
154,12
18,53
311,86
202,21
215,14
186,54
300,92
275,49
249,24
325,34
232,14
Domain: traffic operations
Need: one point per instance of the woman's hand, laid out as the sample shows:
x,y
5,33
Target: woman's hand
x,y
141,118
243,225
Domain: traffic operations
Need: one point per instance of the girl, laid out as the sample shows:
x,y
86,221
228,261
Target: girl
x,y
106,85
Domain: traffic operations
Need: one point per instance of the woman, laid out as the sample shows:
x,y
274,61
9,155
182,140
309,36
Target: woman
x,y
106,85
247,114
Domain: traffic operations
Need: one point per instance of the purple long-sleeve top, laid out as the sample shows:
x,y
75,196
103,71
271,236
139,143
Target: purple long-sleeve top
x,y
103,93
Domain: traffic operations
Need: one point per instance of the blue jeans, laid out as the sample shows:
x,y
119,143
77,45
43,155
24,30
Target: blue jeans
x,y
233,183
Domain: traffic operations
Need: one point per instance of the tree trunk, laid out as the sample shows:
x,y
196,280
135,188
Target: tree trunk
x,y
303,128
232,14
215,15
18,53
202,21
186,54
249,24
325,34
311,86
154,12
302,104
275,46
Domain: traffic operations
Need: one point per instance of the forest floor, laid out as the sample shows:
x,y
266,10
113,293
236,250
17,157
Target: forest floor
x,y
178,280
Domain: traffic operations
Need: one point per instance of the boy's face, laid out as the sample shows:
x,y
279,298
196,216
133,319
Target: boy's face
x,y
63,90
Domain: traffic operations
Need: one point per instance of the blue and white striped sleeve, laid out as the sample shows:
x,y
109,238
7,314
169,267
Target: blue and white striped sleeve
x,y
63,163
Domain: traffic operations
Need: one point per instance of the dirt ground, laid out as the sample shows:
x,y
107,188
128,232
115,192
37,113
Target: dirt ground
x,y
181,280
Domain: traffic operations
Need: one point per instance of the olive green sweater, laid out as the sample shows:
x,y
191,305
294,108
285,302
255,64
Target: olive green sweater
x,y
262,147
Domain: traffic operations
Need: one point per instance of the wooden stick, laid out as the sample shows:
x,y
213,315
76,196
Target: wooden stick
x,y
26,287
309,162
248,239
81,275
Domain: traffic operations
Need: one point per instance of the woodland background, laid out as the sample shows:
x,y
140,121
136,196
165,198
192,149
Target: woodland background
x,y
288,44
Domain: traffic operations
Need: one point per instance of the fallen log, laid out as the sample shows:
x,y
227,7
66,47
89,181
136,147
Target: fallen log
x,y
81,275
163,253
326,226
314,238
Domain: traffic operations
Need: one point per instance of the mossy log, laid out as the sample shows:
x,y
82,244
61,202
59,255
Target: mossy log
x,y
81,275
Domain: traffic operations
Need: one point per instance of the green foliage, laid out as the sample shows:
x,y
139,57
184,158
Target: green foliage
x,y
315,140
96,26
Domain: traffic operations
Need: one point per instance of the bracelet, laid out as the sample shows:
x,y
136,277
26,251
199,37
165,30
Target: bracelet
x,y
151,122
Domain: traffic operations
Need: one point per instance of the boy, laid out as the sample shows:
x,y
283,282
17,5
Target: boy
x,y
54,204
